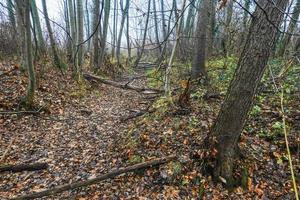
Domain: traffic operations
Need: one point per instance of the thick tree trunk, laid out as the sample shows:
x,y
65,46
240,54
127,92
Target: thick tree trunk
x,y
251,66
198,64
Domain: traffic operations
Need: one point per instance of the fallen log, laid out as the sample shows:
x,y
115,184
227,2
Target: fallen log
x,y
122,86
23,167
108,175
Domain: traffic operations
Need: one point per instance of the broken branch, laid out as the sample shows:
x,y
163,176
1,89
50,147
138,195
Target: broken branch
x,y
122,86
109,175
23,167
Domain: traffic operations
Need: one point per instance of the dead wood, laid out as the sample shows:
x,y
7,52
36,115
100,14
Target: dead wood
x,y
108,175
23,167
3,157
21,112
122,86
134,115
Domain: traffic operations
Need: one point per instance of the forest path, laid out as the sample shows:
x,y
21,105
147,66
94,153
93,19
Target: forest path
x,y
76,139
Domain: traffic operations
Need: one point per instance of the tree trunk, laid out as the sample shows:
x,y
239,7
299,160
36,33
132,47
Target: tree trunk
x,y
105,29
211,28
114,31
164,26
141,52
198,64
39,33
124,14
156,27
30,67
21,33
11,13
245,21
88,30
252,63
79,57
167,85
293,23
128,39
226,35
56,59
96,13
73,31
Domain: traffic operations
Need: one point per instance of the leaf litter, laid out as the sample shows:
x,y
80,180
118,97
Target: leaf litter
x,y
80,135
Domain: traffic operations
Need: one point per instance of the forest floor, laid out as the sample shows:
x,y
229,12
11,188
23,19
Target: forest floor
x,y
81,134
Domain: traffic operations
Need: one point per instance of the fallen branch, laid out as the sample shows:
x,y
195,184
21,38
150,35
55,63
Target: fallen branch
x,y
23,167
21,112
134,115
122,86
109,175
3,157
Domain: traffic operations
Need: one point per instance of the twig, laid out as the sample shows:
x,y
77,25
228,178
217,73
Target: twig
x,y
21,112
109,175
7,150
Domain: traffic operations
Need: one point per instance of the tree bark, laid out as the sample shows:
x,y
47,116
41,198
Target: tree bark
x,y
73,30
21,32
198,64
79,57
105,29
29,60
96,13
36,20
156,27
124,14
251,66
